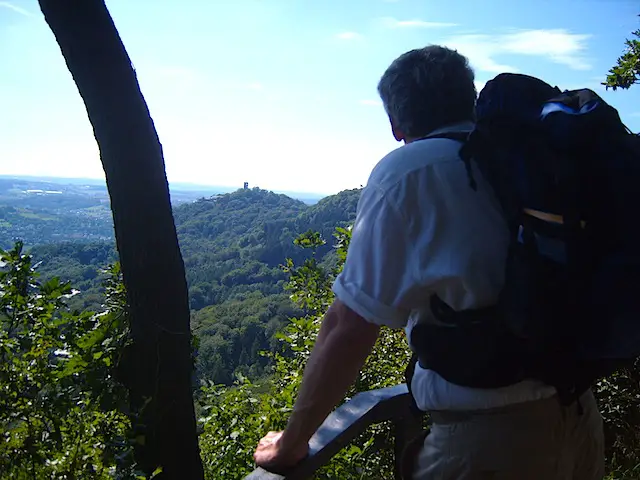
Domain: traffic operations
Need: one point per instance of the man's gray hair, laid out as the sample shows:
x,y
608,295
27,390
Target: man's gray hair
x,y
428,88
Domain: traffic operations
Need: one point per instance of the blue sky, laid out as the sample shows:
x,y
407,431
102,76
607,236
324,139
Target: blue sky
x,y
282,93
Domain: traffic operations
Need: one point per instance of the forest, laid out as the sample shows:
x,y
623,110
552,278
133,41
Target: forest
x,y
234,247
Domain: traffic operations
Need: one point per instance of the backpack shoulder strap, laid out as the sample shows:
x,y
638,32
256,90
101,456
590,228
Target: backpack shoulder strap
x,y
462,137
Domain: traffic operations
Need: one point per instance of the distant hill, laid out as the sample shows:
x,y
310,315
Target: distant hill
x,y
42,210
204,190
233,245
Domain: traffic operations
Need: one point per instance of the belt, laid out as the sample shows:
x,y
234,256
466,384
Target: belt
x,y
449,417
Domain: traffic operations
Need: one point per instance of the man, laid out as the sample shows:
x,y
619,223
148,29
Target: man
x,y
421,230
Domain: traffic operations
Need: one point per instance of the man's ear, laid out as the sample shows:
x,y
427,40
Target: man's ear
x,y
397,134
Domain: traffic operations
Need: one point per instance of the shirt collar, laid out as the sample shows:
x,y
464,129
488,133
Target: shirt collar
x,y
466,126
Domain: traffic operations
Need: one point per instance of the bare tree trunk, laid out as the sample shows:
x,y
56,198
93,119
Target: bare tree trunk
x,y
160,365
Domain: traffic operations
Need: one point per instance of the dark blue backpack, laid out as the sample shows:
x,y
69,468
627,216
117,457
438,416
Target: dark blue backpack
x,y
566,172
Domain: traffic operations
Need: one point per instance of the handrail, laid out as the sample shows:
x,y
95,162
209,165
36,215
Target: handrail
x,y
347,422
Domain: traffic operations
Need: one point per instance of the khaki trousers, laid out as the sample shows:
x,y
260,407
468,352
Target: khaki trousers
x,y
538,440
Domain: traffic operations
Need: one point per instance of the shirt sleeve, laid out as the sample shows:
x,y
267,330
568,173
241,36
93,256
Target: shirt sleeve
x,y
379,280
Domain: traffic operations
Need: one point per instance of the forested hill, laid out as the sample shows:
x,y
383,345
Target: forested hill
x,y
237,240
233,246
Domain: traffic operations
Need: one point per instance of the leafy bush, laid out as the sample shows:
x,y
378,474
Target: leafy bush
x,y
619,401
60,405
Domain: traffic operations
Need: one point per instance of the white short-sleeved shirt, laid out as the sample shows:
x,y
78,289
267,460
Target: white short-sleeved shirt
x,y
421,229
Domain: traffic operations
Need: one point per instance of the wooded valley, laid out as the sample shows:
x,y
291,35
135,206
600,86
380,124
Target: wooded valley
x,y
233,246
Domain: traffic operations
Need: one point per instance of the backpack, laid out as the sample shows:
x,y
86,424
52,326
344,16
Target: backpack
x,y
566,173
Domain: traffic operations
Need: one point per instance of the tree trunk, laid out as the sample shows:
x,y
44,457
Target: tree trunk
x,y
159,365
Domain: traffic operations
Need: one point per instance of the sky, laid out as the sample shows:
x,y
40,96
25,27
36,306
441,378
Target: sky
x,y
282,93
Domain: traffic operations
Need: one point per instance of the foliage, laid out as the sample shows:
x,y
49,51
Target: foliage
x,y
60,404
619,395
81,263
233,333
626,72
235,418
233,244
619,401
232,247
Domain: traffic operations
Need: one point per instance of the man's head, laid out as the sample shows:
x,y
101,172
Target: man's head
x,y
426,89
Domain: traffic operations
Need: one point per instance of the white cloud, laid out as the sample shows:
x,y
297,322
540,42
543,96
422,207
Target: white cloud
x,y
391,22
371,103
481,50
15,8
348,36
558,46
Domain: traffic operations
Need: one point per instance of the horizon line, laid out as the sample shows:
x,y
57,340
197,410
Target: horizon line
x,y
170,182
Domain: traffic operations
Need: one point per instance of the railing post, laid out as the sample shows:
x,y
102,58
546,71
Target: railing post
x,y
408,429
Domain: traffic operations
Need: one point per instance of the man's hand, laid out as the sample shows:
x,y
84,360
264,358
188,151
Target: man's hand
x,y
343,344
274,456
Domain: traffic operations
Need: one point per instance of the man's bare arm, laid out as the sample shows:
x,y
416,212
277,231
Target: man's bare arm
x,y
344,342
